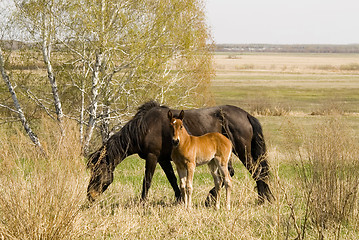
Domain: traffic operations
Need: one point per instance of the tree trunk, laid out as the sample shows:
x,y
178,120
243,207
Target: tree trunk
x,y
105,123
82,112
46,52
19,111
94,102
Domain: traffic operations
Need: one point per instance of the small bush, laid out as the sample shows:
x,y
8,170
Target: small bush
x,y
41,198
349,67
325,67
330,108
329,173
267,108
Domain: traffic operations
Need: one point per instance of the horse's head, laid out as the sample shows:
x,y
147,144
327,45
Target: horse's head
x,y
101,173
176,127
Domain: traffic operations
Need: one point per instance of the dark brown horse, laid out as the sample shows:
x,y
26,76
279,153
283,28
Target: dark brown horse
x,y
149,135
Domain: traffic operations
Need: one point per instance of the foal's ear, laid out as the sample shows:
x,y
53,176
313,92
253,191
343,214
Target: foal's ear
x,y
181,115
170,115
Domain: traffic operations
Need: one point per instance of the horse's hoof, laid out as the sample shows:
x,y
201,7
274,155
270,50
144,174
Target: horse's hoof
x,y
209,201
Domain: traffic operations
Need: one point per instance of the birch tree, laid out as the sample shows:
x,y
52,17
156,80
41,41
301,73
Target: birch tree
x,y
5,32
18,110
135,51
38,18
104,58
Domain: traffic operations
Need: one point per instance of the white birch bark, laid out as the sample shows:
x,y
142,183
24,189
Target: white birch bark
x,y
18,108
46,52
94,101
105,123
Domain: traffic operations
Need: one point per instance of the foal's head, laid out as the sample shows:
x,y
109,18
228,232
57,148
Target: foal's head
x,y
176,127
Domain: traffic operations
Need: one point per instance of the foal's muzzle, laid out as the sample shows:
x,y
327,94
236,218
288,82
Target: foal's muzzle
x,y
175,142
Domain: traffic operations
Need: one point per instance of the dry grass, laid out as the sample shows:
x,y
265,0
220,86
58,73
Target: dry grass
x,y
273,84
46,199
40,198
303,63
314,164
327,160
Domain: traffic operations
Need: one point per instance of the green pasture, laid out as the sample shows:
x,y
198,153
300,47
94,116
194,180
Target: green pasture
x,y
306,99
293,107
296,92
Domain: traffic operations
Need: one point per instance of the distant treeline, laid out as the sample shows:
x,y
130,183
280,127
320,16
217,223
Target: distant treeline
x,y
296,48
289,48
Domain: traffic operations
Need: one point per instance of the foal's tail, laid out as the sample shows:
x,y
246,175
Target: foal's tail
x,y
259,154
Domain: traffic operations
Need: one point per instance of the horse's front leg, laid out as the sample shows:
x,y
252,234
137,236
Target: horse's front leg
x,y
151,161
168,169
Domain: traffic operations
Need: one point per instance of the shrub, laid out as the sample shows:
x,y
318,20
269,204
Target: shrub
x,y
329,170
349,67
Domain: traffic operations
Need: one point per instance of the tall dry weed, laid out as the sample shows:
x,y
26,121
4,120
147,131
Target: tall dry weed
x,y
41,198
265,107
316,193
329,175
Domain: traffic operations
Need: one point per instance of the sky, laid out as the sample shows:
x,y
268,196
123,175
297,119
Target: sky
x,y
284,21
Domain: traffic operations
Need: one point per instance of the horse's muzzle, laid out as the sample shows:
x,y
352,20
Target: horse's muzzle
x,y
175,142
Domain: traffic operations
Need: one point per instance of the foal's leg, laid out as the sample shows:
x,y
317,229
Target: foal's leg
x,y
217,181
212,193
189,182
182,174
227,181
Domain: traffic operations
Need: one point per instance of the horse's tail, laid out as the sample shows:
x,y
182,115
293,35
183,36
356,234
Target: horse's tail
x,y
260,160
228,133
258,149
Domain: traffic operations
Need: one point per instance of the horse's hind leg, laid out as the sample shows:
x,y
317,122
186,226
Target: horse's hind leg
x,y
212,193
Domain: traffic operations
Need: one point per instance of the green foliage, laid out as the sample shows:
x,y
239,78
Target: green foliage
x,y
111,56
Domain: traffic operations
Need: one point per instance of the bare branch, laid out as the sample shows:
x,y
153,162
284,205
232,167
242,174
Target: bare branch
x,y
21,115
8,108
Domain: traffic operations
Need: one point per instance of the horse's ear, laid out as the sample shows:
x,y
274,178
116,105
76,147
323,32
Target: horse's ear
x,y
181,115
170,115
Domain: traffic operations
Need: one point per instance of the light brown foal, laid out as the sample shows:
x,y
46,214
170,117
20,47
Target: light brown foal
x,y
189,151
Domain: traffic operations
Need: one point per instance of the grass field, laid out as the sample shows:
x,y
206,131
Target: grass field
x,y
296,82
302,88
308,105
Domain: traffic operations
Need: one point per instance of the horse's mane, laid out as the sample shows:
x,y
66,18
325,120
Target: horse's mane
x,y
131,134
128,138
